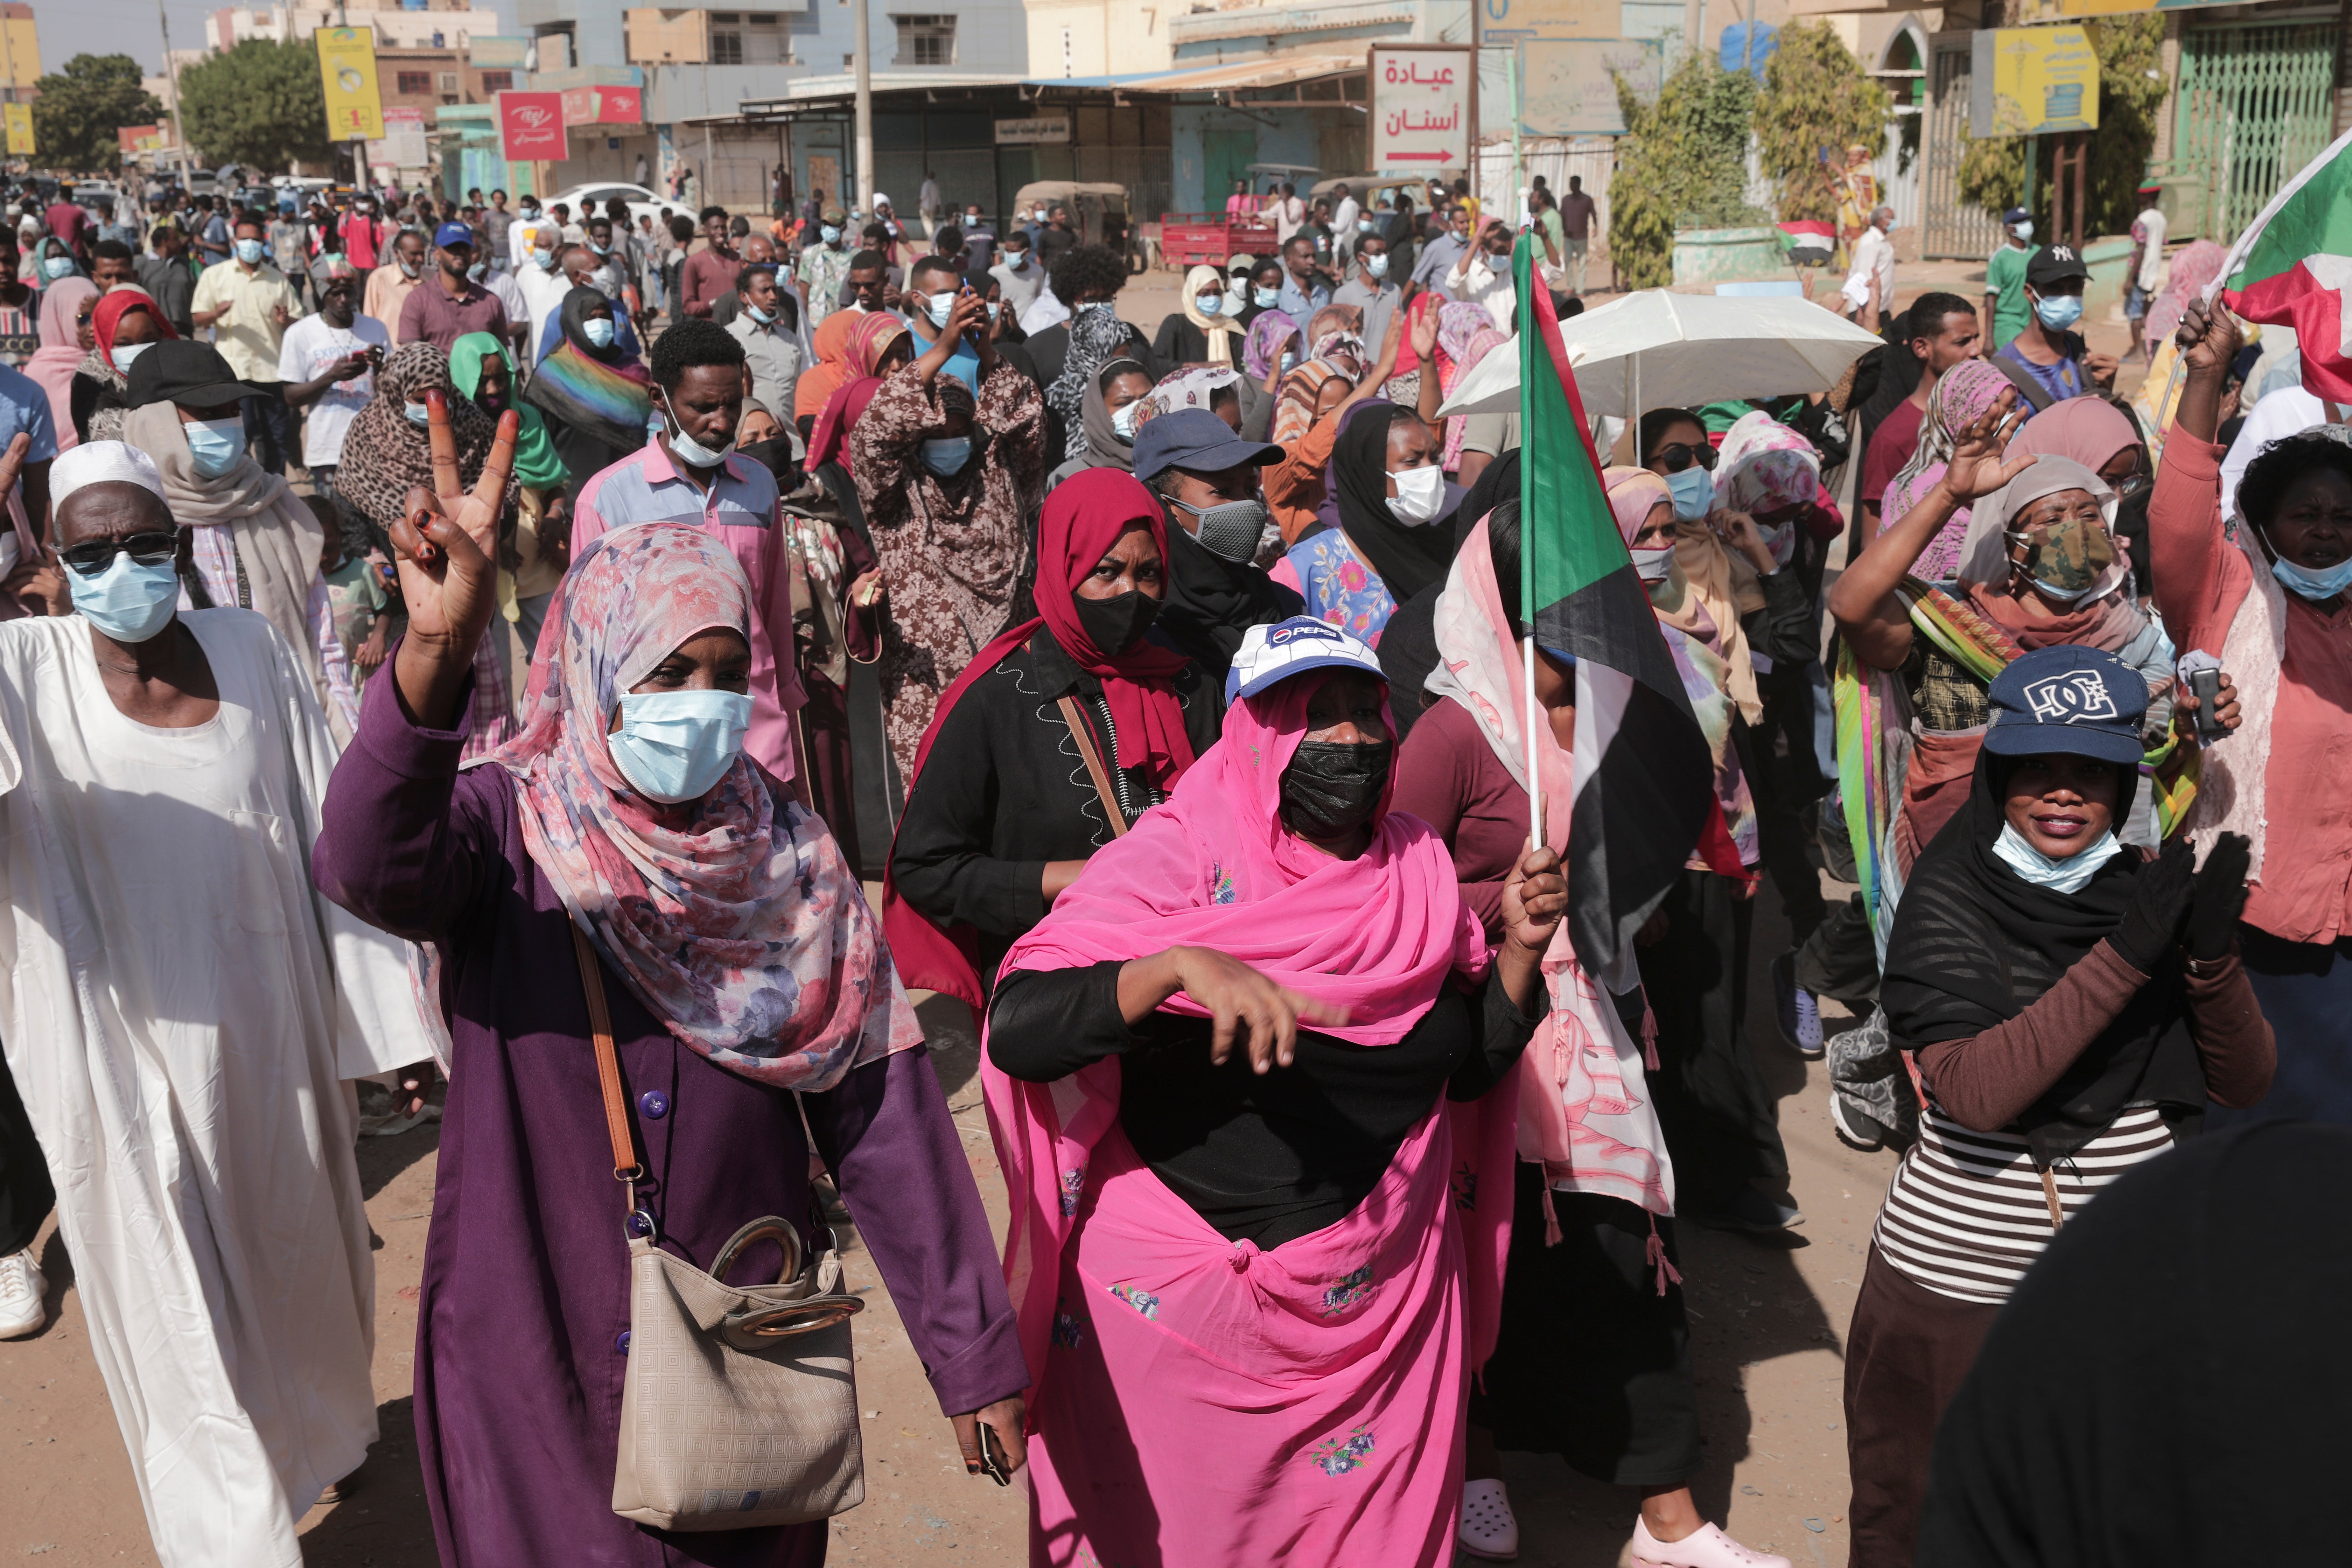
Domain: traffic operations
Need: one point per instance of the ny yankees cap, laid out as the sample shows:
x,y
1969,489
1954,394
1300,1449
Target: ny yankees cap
x,y
2068,699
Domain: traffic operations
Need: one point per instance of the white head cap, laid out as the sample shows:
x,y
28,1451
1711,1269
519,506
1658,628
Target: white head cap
x,y
103,462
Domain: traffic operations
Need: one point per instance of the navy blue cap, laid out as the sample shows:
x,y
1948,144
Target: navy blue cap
x,y
450,233
2068,699
1197,439
2015,216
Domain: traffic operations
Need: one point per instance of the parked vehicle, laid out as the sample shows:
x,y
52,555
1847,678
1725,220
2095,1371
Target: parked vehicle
x,y
643,202
1192,239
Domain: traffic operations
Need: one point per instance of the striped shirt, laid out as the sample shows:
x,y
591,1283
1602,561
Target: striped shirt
x,y
1967,1213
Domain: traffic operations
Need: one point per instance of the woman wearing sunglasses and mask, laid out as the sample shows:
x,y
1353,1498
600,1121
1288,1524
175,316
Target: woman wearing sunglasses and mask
x,y
624,841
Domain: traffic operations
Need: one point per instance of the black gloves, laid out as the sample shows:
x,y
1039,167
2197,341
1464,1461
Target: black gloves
x,y
2151,927
2220,897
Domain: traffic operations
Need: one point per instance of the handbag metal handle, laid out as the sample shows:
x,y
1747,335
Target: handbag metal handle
x,y
760,1324
760,1230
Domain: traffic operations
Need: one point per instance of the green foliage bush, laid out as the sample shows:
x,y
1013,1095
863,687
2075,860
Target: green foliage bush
x,y
1815,99
1684,163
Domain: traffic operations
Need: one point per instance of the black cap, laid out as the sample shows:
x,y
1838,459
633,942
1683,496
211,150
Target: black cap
x,y
192,375
1190,438
2054,264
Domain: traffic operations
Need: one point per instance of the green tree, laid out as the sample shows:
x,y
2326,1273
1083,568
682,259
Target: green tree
x,y
1683,165
81,108
1816,103
2131,96
258,103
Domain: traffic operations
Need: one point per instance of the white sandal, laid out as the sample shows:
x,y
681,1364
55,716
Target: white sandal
x,y
1489,1530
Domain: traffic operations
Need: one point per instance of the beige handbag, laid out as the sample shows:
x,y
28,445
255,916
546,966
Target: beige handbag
x,y
739,1405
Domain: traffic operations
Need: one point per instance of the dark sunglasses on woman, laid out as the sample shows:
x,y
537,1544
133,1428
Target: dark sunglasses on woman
x,y
1675,456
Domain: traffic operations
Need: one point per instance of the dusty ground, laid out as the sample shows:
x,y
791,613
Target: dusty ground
x,y
1768,1321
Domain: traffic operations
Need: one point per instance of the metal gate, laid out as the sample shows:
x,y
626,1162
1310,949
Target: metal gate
x,y
1950,227
2255,105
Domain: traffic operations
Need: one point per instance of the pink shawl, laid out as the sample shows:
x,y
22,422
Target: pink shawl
x,y
733,918
1585,1111
1267,1377
54,363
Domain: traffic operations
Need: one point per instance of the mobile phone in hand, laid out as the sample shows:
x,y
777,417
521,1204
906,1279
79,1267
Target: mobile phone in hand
x,y
2207,685
991,1454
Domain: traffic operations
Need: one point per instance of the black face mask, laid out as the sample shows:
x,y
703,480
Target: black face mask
x,y
1116,624
1333,788
775,455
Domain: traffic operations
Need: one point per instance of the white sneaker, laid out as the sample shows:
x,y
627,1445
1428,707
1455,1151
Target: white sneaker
x,y
1708,1548
21,1290
1489,1529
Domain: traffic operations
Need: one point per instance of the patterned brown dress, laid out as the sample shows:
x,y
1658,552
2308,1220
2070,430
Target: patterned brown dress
x,y
950,549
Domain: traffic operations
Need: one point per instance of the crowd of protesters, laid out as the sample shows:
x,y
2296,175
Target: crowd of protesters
x,y
1205,694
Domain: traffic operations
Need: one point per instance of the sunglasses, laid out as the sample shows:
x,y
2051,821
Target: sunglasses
x,y
96,555
1675,456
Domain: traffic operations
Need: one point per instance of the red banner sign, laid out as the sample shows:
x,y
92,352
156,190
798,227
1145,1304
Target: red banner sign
x,y
530,124
620,106
579,106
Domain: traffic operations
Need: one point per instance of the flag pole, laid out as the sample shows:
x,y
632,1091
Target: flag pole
x,y
1529,321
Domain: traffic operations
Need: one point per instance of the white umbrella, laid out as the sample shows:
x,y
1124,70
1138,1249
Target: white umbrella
x,y
1656,349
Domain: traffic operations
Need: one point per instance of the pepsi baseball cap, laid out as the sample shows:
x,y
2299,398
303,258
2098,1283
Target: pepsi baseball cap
x,y
2068,699
1275,653
1197,439
452,234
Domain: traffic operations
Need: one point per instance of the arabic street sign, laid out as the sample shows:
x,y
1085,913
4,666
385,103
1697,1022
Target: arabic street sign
x,y
1425,99
2032,81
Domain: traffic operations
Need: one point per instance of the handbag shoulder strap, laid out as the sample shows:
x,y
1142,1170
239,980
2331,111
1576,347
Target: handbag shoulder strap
x,y
625,1168
1083,735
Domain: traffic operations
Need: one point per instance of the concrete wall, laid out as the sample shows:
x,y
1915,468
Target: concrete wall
x,y
1098,38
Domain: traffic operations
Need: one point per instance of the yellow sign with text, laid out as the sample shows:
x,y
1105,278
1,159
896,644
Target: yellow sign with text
x,y
20,129
2032,81
347,66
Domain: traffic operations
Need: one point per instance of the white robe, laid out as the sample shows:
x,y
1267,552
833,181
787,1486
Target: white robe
x,y
181,1011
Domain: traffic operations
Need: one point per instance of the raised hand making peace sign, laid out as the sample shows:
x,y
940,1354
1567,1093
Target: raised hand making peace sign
x,y
446,541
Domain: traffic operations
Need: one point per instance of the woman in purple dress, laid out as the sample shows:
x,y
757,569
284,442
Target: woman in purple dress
x,y
744,973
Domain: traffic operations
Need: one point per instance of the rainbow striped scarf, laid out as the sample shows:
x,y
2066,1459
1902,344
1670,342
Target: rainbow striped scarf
x,y
611,403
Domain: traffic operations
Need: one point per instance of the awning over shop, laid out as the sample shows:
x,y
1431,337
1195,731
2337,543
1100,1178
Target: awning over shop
x,y
1254,75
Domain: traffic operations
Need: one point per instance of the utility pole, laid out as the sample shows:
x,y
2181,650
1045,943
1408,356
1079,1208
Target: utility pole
x,y
863,61
171,90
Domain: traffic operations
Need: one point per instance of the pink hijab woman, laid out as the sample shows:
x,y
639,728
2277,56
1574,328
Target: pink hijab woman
x,y
1252,1291
61,351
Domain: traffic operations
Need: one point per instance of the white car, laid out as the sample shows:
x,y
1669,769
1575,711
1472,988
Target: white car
x,y
643,202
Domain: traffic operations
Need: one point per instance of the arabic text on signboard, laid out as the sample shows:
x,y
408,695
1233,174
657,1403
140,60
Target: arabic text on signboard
x,y
530,127
1421,112
1516,21
1045,128
2032,81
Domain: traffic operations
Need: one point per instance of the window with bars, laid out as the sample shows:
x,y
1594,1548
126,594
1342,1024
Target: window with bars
x,y
924,40
749,38
413,81
498,81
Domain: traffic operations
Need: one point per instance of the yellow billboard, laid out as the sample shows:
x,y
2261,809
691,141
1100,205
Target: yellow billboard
x,y
2032,81
347,66
20,129
20,46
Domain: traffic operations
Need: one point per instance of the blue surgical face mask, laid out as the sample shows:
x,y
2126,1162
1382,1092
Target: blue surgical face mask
x,y
126,352
1363,226
2024,231
544,257
1122,420
1209,304
249,252
2059,312
1289,361
530,209
214,444
1267,299
418,413
674,746
478,270
938,308
1378,266
2315,583
2066,875
128,601
56,267
947,455
598,330
1694,492
830,233
764,317
600,249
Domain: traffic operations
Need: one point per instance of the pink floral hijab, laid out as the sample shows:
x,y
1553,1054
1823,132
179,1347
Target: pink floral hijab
x,y
733,918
